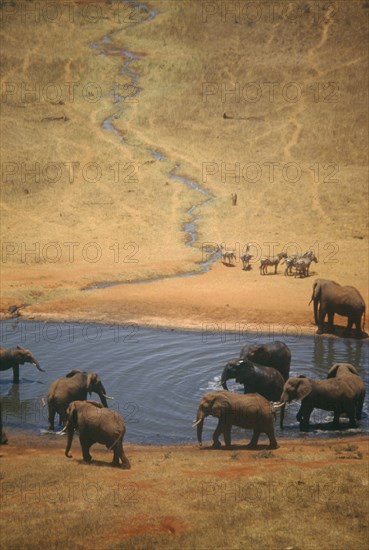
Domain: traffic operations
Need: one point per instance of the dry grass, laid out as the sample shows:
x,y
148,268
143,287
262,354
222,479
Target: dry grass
x,y
181,497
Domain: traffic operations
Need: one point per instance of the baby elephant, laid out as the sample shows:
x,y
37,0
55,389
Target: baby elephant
x,y
339,395
250,411
96,424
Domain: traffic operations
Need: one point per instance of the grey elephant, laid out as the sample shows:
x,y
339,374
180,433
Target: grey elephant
x,y
333,298
275,354
11,358
96,424
334,394
349,373
266,381
72,387
250,411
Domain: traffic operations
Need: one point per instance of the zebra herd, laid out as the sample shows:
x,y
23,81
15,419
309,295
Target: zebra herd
x,y
296,265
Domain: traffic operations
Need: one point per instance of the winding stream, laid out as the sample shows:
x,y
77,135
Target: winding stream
x,y
105,47
157,376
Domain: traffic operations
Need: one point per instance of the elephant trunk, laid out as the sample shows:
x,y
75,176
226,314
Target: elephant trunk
x,y
37,365
69,426
103,396
224,378
200,424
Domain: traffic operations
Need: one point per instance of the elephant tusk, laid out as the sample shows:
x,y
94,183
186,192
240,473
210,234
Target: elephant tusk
x,y
277,405
43,401
62,431
108,397
196,422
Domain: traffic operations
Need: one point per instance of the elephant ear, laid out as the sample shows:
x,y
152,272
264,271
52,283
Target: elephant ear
x,y
92,379
303,388
72,373
352,369
95,404
72,414
332,373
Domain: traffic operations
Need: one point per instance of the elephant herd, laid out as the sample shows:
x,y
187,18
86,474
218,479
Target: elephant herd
x,y
263,369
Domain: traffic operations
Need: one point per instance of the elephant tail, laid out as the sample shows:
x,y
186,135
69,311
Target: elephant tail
x,y
121,433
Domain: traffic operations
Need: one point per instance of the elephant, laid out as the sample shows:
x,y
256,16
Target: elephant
x,y
266,381
351,377
11,358
72,387
344,300
333,394
96,424
275,354
250,411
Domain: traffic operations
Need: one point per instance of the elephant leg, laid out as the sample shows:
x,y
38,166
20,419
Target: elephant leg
x,y
254,440
359,407
51,418
349,327
85,444
272,440
227,435
125,462
282,417
299,415
359,332
352,417
16,374
330,321
336,420
305,418
218,430
321,317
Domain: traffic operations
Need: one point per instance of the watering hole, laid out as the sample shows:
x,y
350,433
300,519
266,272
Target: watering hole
x,y
157,376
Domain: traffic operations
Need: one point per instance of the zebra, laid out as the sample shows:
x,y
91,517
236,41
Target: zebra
x,y
290,261
246,261
274,260
302,265
228,256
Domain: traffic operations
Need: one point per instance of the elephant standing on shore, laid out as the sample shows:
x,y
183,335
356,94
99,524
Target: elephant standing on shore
x,y
11,358
333,298
72,387
266,381
250,411
276,355
96,424
339,395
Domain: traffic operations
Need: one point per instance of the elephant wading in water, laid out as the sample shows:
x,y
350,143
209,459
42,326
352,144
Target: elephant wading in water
x,y
344,300
275,354
266,381
351,377
251,411
96,424
11,358
73,387
340,395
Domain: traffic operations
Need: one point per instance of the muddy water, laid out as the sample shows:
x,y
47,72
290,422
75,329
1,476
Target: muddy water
x,y
157,376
